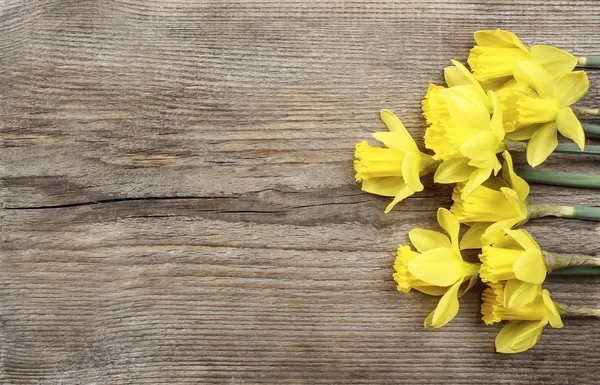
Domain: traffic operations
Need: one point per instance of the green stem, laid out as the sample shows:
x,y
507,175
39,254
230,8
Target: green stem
x,y
588,61
556,261
538,210
586,111
577,270
559,178
576,311
572,148
591,129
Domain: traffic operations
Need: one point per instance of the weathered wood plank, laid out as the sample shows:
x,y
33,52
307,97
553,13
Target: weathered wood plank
x,y
178,203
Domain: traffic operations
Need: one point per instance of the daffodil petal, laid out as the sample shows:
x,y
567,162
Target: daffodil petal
x,y
449,223
541,144
472,238
535,76
476,178
570,127
496,230
553,313
529,266
439,267
394,124
496,126
518,184
453,170
555,60
386,186
516,337
523,133
523,239
499,38
481,146
458,75
467,112
402,193
410,171
518,293
435,291
396,141
425,240
570,87
446,309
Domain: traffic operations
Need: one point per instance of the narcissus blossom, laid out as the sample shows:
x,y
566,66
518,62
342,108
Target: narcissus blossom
x,y
496,53
517,259
498,204
436,269
525,324
394,171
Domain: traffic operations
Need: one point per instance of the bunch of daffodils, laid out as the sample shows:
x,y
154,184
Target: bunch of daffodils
x,y
513,98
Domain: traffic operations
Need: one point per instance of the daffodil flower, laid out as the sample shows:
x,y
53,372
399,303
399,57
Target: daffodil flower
x,y
517,259
538,117
460,81
394,171
436,269
495,56
497,204
472,139
525,324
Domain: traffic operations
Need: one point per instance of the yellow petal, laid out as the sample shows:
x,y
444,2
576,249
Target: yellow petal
x,y
553,313
570,127
535,76
449,223
458,75
435,291
542,143
446,309
523,239
495,231
523,133
481,146
499,38
387,186
570,87
518,184
530,267
472,238
396,141
439,267
453,170
425,240
410,171
496,126
476,178
394,124
466,112
516,337
518,293
402,193
555,60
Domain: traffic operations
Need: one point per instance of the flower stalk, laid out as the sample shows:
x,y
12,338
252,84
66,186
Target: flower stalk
x,y
576,311
538,210
555,261
588,61
558,178
591,129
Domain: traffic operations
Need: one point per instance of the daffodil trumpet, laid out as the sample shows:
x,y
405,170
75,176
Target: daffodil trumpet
x,y
559,178
588,61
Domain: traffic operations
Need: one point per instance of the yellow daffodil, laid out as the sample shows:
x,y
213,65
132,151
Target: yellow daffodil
x,y
494,58
517,259
497,204
394,171
460,81
525,324
539,116
472,139
436,269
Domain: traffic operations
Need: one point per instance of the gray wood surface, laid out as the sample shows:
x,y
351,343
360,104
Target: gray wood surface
x,y
178,202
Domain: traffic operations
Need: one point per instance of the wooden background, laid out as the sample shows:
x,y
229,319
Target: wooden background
x,y
178,202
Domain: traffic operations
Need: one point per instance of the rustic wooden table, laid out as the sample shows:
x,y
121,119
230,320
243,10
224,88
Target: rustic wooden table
x,y
178,202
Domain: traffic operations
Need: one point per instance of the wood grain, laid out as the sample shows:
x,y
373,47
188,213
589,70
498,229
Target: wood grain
x,y
178,203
